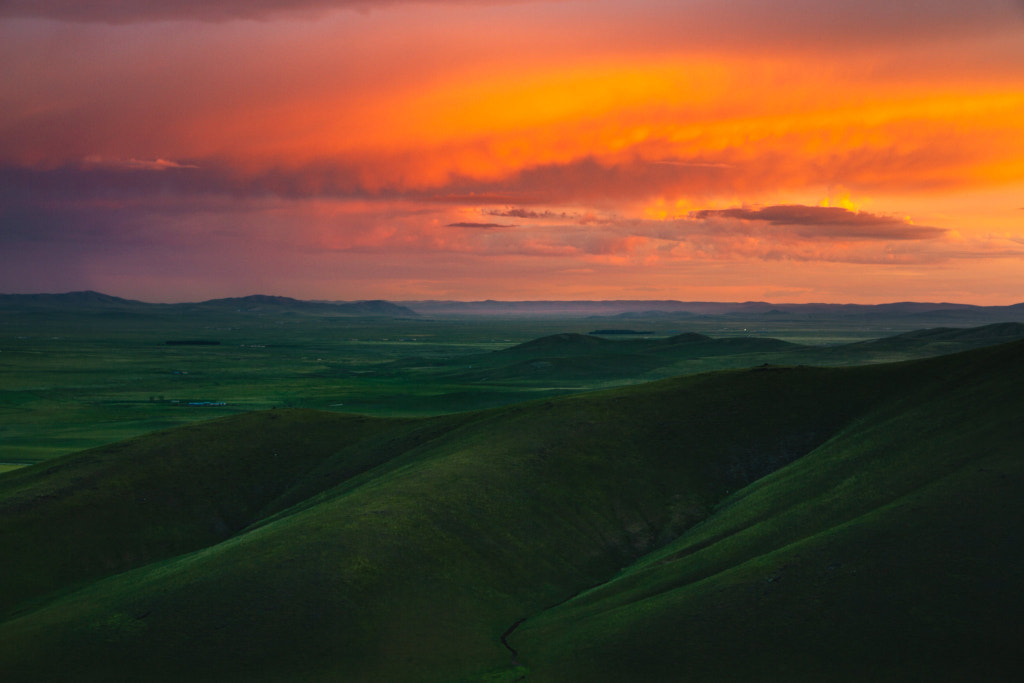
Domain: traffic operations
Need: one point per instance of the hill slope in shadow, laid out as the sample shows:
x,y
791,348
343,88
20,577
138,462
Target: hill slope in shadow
x,y
886,554
775,523
592,360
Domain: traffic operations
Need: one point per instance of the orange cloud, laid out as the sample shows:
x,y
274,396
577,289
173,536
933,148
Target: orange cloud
x,y
642,140
414,117
605,141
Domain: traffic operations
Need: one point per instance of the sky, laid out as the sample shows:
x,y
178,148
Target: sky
x,y
848,151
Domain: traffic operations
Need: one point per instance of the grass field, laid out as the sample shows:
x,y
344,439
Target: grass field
x,y
73,380
772,523
70,382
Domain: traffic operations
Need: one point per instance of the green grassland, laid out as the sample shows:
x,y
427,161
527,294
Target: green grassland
x,y
72,379
773,523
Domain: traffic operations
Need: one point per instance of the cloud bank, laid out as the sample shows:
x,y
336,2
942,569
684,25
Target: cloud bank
x,y
793,17
360,149
820,222
125,11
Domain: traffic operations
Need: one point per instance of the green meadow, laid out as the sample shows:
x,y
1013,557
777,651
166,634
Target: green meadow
x,y
73,379
504,500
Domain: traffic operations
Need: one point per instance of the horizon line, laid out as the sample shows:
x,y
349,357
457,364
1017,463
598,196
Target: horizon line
x,y
511,301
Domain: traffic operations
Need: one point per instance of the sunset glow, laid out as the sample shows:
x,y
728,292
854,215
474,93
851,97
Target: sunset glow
x,y
854,152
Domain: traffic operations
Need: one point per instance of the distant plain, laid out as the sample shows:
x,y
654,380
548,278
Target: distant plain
x,y
72,379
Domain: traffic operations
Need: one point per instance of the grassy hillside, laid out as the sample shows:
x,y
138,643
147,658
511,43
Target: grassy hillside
x,y
567,360
918,344
776,523
889,553
106,510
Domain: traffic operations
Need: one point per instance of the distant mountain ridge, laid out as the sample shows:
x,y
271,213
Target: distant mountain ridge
x,y
256,303
83,298
937,312
262,302
655,309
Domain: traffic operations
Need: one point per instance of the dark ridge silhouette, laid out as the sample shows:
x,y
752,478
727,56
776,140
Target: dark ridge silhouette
x,y
566,341
687,337
83,299
261,303
625,332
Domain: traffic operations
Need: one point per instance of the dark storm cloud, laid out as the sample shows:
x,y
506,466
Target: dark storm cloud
x,y
110,182
108,203
828,222
96,182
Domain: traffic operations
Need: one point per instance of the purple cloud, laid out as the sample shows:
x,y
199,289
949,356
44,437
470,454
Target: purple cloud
x,y
828,222
520,212
130,11
694,164
740,20
479,225
133,164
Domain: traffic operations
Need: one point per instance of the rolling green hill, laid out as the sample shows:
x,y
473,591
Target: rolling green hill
x,y
775,523
887,554
571,357
918,344
570,361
